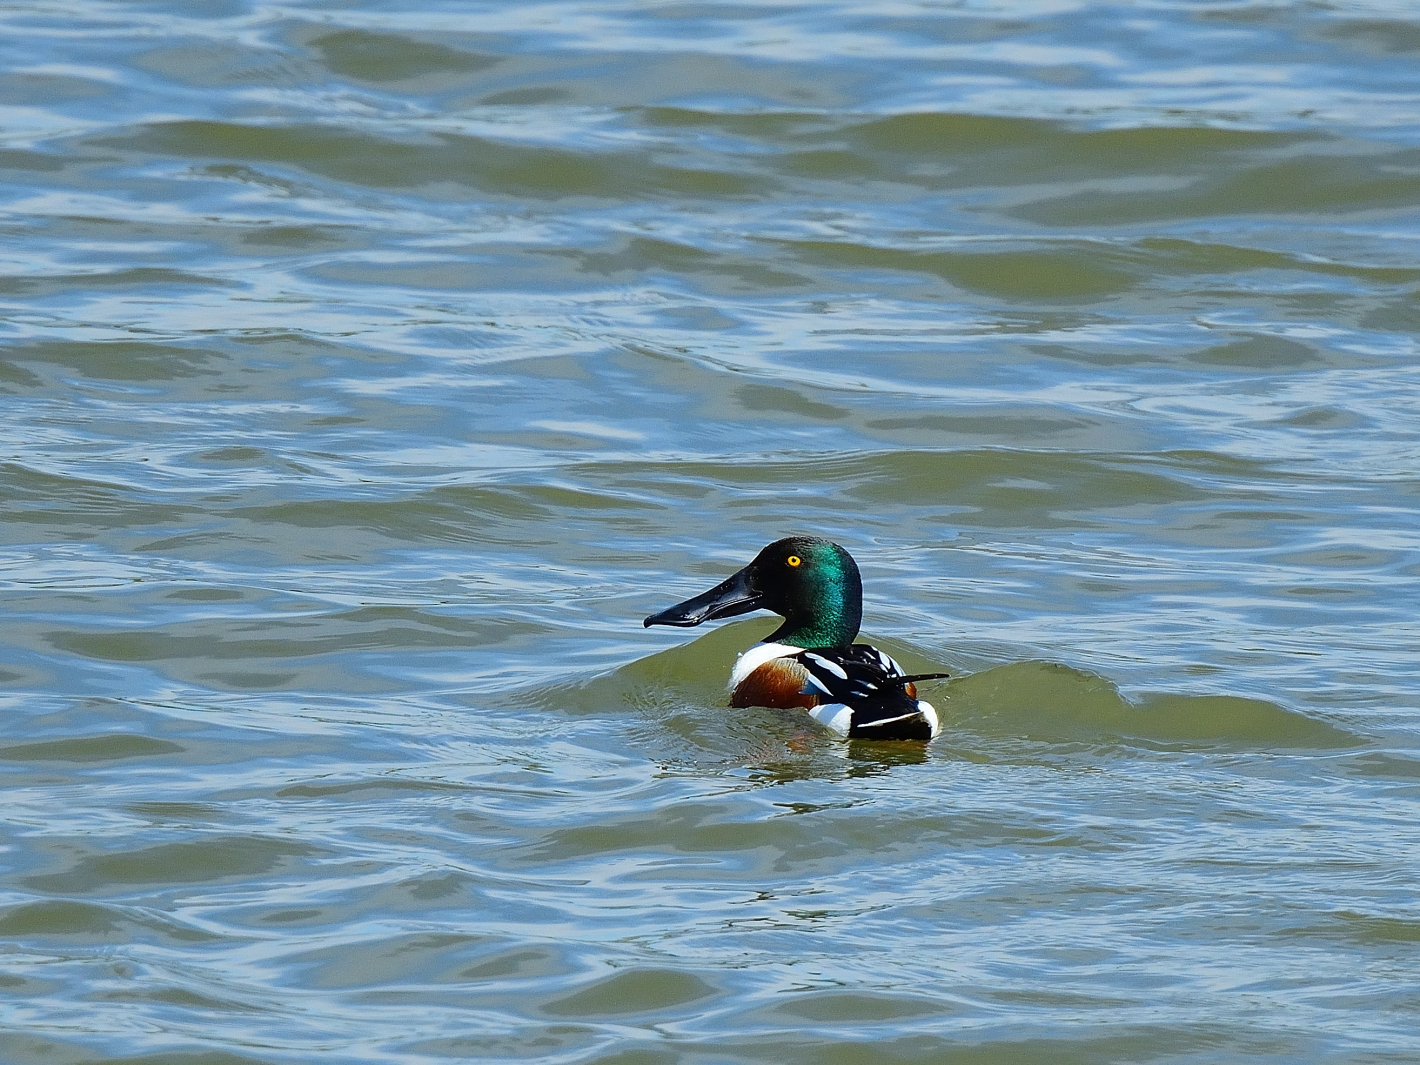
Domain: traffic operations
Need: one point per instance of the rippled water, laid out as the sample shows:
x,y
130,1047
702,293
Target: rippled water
x,y
370,371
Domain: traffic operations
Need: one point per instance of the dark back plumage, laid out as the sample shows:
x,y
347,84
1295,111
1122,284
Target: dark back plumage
x,y
871,686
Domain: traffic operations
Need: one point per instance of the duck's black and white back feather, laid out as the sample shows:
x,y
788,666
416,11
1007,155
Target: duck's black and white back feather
x,y
864,694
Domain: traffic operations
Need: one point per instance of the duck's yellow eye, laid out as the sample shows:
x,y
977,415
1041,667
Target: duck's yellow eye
x,y
793,560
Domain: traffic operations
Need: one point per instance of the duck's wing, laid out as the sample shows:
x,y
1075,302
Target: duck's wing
x,y
864,693
856,673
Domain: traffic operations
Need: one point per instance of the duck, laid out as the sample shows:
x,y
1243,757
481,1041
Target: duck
x,y
811,662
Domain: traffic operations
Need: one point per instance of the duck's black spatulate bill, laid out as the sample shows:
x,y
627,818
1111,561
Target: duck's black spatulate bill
x,y
728,599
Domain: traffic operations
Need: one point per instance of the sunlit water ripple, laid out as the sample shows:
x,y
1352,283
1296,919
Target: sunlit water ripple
x,y
369,372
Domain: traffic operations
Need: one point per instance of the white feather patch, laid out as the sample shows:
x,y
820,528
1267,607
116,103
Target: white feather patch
x,y
929,711
756,656
830,665
833,715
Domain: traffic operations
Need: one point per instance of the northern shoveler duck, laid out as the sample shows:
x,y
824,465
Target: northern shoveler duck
x,y
811,660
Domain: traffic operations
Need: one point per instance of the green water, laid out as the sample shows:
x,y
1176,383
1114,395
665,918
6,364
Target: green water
x,y
369,371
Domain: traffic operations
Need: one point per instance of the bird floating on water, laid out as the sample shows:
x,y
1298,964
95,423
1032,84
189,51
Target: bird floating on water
x,y
811,661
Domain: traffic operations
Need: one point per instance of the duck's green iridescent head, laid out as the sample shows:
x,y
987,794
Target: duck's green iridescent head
x,y
812,582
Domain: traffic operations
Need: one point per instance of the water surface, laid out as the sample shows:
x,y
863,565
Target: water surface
x,y
369,371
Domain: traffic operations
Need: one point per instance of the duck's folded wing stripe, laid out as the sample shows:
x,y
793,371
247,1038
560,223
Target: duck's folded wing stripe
x,y
828,664
889,720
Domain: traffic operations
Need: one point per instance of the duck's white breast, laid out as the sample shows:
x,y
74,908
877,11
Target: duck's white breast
x,y
756,656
